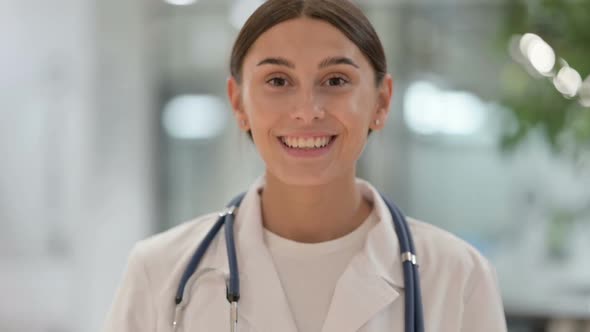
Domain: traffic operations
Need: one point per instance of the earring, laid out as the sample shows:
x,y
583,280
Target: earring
x,y
377,122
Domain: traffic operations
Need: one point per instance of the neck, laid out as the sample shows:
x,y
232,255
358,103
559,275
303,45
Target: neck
x,y
312,214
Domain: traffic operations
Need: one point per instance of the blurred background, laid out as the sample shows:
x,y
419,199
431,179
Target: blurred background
x,y
114,125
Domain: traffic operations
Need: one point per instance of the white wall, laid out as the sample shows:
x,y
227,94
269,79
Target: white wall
x,y
76,156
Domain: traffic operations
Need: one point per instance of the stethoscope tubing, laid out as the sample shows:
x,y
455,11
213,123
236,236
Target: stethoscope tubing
x,y
414,317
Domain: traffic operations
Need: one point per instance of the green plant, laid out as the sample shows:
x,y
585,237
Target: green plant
x,y
534,102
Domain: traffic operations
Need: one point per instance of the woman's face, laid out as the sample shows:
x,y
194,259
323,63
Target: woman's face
x,y
309,97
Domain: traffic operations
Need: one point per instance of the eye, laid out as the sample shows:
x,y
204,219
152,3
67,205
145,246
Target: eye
x,y
277,82
336,81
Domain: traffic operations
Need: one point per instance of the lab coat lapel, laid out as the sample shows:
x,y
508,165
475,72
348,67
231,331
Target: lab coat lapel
x,y
373,279
262,302
358,297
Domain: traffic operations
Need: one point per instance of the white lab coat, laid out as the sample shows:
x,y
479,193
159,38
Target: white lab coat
x,y
459,287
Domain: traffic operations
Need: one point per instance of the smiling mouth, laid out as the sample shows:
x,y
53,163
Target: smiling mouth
x,y
307,143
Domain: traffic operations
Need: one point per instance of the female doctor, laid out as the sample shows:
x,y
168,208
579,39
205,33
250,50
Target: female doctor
x,y
316,247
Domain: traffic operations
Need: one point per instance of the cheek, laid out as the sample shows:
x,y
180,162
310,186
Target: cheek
x,y
263,100
353,112
261,108
264,112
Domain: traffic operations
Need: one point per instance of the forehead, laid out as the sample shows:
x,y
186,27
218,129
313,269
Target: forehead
x,y
304,39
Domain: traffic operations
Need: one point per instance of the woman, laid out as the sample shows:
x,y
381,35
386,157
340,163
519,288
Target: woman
x,y
316,247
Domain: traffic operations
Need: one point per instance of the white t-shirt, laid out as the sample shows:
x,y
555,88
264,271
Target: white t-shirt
x,y
309,271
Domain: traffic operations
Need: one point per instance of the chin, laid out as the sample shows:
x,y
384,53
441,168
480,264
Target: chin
x,y
304,178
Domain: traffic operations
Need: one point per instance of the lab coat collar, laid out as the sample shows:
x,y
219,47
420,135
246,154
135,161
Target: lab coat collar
x,y
381,254
382,250
370,282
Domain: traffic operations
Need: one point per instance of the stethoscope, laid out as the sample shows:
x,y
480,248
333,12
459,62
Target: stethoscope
x,y
414,320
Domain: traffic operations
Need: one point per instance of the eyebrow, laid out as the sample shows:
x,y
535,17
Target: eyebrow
x,y
337,60
331,61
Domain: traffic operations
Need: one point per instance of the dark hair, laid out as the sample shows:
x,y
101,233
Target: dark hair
x,y
342,14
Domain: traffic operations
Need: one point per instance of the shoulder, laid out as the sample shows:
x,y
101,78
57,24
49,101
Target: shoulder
x,y
178,238
442,253
456,275
165,255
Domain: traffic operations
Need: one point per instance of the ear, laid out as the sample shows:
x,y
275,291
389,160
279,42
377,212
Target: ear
x,y
234,93
381,112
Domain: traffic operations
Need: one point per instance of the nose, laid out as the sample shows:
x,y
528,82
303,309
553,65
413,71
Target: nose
x,y
308,108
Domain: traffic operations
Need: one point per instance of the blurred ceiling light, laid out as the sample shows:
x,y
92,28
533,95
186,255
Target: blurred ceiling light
x,y
567,81
194,117
429,110
241,10
540,55
526,41
584,92
181,2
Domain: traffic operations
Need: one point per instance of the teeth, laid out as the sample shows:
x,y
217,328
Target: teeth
x,y
306,143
